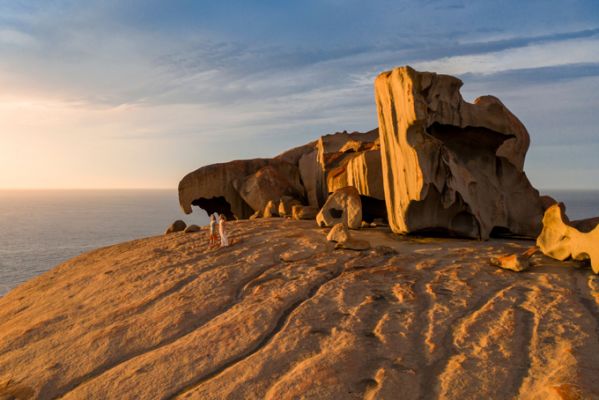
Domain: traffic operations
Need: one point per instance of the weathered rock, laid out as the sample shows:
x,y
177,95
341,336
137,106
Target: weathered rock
x,y
155,318
225,187
192,228
330,153
176,226
511,261
303,212
361,170
211,188
270,210
344,206
270,183
560,240
286,204
338,233
451,165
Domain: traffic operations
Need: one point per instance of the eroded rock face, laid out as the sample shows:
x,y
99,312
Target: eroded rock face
x,y
211,188
560,240
449,165
344,206
270,183
235,188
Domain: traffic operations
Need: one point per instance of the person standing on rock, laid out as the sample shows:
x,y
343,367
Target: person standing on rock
x,y
224,240
212,240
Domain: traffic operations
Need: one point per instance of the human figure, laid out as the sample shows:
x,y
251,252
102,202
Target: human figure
x,y
224,240
212,240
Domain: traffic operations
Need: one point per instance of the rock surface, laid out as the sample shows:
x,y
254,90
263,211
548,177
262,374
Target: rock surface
x,y
450,165
270,183
344,206
560,240
303,212
176,226
165,317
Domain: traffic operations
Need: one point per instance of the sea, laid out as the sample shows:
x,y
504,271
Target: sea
x,y
42,228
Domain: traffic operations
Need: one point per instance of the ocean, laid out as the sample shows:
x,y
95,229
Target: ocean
x,y
42,228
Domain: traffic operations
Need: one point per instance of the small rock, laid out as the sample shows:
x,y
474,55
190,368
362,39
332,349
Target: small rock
x,y
192,228
176,226
270,210
339,233
511,261
365,224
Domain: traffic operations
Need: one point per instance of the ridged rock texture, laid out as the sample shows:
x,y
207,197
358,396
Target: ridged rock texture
x,y
282,315
560,240
449,165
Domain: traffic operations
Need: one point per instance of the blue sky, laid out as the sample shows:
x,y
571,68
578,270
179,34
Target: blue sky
x,y
138,93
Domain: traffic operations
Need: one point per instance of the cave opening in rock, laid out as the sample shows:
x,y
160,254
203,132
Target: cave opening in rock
x,y
373,208
335,213
215,205
470,141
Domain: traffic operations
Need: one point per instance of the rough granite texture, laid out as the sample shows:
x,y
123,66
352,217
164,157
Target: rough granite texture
x,y
280,314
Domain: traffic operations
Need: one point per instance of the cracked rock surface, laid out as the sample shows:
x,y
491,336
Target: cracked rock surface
x,y
281,314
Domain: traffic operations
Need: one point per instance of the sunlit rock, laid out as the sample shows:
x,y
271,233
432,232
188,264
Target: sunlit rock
x,y
561,240
449,165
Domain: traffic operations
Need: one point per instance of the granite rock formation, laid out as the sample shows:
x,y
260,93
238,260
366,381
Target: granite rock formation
x,y
449,165
167,318
344,206
302,175
561,239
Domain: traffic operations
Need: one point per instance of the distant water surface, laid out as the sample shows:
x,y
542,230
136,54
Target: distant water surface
x,y
42,228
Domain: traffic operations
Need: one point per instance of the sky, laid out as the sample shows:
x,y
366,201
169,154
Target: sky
x,y
136,94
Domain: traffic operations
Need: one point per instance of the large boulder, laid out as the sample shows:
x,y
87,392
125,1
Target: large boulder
x,y
344,206
449,165
560,240
211,188
270,183
239,188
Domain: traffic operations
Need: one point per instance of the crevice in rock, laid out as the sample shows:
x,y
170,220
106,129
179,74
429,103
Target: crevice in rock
x,y
279,326
373,208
